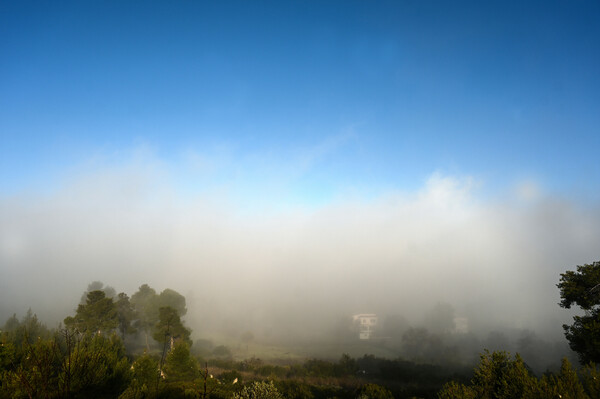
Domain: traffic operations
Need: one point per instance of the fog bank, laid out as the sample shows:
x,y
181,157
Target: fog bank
x,y
295,269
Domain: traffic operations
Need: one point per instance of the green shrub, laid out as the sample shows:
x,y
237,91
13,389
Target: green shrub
x,y
259,390
373,391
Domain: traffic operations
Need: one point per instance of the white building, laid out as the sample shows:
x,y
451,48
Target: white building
x,y
367,323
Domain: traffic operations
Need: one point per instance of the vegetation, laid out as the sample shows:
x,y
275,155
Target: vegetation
x,y
582,288
98,313
87,358
258,390
500,376
94,356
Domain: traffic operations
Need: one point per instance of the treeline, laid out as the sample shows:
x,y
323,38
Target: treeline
x,y
318,378
146,314
92,355
36,362
39,363
500,376
116,346
96,355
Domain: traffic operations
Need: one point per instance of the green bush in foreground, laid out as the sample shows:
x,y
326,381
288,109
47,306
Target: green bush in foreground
x,y
259,390
374,391
499,377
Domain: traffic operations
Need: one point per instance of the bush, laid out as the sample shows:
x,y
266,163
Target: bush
x,y
180,365
259,390
374,391
295,389
498,376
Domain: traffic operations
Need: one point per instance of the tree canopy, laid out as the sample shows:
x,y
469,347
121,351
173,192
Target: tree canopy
x,y
126,315
99,313
169,326
582,288
147,304
173,299
98,286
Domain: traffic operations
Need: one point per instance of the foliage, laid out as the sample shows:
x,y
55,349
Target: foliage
x,y
37,375
579,287
126,315
144,302
499,376
180,365
259,390
29,329
455,390
144,372
169,326
319,367
172,299
584,337
11,324
582,288
374,391
145,369
99,313
147,306
98,286
68,365
294,389
567,383
591,380
231,377
7,352
346,366
86,360
16,337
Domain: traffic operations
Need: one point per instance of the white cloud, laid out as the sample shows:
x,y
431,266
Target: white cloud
x,y
396,253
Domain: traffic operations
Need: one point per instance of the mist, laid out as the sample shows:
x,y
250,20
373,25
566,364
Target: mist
x,y
285,270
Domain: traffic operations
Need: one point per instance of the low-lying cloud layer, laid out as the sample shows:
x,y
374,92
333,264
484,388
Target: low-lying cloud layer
x,y
496,260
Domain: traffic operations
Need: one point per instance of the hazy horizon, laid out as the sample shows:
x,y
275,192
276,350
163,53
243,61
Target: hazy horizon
x,y
495,259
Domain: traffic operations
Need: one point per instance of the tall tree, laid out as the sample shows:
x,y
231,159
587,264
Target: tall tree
x,y
99,313
170,327
29,329
144,302
180,364
12,323
582,288
68,366
173,299
126,315
147,304
98,286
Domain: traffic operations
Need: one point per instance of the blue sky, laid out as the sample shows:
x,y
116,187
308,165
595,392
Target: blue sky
x,y
433,151
328,97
